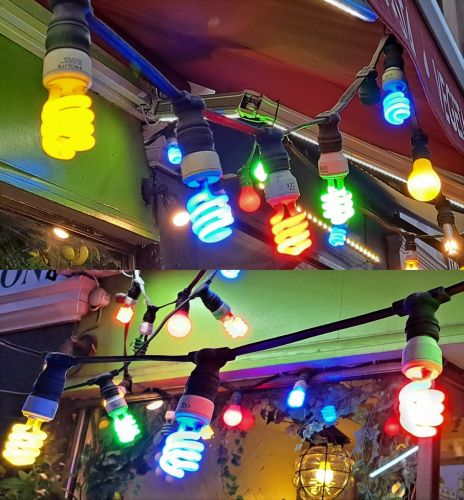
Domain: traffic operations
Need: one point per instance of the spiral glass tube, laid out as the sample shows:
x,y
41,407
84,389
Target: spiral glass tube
x,y
24,443
67,120
337,236
291,234
234,325
210,215
396,108
337,203
421,408
182,451
125,426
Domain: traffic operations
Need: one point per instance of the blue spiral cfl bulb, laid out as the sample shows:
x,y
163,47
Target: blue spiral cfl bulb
x,y
183,452
337,236
173,151
396,106
297,395
210,213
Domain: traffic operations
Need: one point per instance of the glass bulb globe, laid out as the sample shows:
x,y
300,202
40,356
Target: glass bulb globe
x,y
249,200
181,219
233,415
424,183
179,325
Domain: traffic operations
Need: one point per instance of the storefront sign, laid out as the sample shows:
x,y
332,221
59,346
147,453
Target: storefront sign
x,y
404,19
22,280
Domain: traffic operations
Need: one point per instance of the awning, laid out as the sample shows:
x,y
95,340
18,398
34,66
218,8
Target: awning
x,y
304,53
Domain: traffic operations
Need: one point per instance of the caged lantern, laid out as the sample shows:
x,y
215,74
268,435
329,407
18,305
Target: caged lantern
x,y
322,473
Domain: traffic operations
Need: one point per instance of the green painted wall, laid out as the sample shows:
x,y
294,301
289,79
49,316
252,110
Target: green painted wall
x,y
104,182
276,303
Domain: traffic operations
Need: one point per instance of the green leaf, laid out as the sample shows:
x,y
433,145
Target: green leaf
x,y
13,483
2,471
22,475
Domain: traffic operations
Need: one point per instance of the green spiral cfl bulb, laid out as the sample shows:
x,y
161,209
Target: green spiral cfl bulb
x,y
125,425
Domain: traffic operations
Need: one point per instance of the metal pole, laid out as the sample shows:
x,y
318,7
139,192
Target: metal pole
x,y
76,450
428,468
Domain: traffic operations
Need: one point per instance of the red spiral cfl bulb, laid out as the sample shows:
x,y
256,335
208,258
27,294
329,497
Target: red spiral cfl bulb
x,y
421,407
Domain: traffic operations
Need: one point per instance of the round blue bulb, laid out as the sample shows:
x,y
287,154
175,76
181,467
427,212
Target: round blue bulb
x,y
396,108
329,414
337,236
296,398
174,154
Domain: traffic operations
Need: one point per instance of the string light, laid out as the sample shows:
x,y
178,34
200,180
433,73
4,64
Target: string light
x,y
259,173
411,259
392,426
182,451
179,324
396,105
129,301
337,202
249,200
290,230
206,432
234,325
421,408
24,443
329,414
210,215
337,236
298,393
423,183
67,120
233,414
125,426
173,151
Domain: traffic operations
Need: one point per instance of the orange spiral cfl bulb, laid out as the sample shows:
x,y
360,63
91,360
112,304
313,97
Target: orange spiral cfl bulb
x,y
67,120
234,325
290,229
24,443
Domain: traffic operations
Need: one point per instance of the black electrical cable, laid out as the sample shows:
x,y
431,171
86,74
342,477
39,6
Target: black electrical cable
x,y
269,343
348,94
14,393
316,331
22,349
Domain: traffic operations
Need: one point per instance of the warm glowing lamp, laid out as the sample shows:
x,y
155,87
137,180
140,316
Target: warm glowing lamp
x,y
24,443
125,314
179,324
61,233
181,218
423,183
234,326
249,200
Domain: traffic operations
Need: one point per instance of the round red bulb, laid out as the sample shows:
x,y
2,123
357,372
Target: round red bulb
x,y
248,420
392,426
249,199
232,416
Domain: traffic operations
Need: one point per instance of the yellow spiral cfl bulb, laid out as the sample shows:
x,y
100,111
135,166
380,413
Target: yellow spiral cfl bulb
x,y
423,183
67,120
24,443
